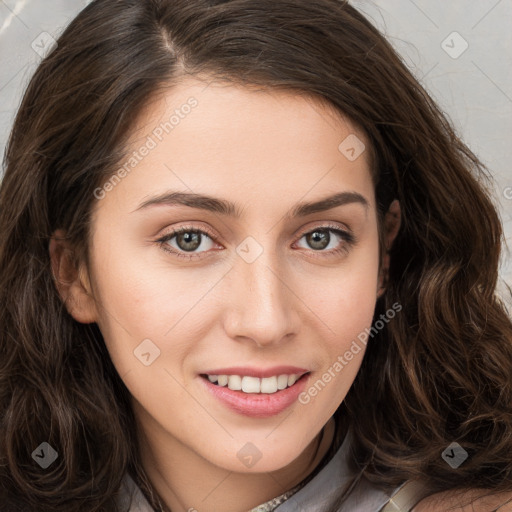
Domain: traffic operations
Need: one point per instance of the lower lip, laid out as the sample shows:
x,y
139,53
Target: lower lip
x,y
257,405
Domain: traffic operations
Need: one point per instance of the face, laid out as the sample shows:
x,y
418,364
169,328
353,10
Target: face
x,y
259,278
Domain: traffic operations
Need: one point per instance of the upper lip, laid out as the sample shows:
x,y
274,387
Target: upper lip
x,y
250,371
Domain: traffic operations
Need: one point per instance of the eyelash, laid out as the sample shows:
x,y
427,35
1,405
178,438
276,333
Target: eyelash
x,y
349,241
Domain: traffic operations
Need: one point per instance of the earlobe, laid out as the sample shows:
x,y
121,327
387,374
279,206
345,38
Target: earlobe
x,y
392,222
72,283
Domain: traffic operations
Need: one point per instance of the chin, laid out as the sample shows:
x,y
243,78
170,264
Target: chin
x,y
258,456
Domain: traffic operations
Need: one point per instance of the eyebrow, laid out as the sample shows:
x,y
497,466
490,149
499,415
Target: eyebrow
x,y
223,207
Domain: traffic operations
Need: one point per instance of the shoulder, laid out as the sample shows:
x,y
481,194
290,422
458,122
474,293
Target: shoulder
x,y
469,500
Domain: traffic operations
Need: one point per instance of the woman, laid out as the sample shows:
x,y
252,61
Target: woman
x,y
246,264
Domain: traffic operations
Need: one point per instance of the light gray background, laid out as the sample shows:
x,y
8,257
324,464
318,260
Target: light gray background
x,y
461,50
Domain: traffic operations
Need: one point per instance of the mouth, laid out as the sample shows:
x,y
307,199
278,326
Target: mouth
x,y
254,396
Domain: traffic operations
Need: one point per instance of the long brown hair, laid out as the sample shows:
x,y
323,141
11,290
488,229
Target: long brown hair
x,y
439,372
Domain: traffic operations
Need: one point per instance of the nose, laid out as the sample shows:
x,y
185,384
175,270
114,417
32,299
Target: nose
x,y
261,305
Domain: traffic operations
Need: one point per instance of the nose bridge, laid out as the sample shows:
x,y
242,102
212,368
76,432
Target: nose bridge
x,y
263,285
262,305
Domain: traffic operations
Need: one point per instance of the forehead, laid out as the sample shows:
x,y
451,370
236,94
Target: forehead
x,y
228,107
231,140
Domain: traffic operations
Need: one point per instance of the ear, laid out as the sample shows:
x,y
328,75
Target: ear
x,y
72,283
392,221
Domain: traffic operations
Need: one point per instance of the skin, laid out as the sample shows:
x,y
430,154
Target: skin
x,y
466,500
295,304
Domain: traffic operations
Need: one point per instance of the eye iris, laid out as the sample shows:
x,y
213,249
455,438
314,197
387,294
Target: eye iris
x,y
318,236
188,240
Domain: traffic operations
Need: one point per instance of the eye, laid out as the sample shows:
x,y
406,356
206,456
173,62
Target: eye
x,y
320,239
185,241
188,241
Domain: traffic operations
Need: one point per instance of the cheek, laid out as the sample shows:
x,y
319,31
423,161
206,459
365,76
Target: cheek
x,y
346,312
346,306
345,298
133,296
145,297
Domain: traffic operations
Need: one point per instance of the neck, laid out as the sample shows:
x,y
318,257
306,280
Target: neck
x,y
185,481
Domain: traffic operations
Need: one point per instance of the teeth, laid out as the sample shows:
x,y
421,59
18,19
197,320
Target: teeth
x,y
269,385
292,379
282,381
253,384
235,382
